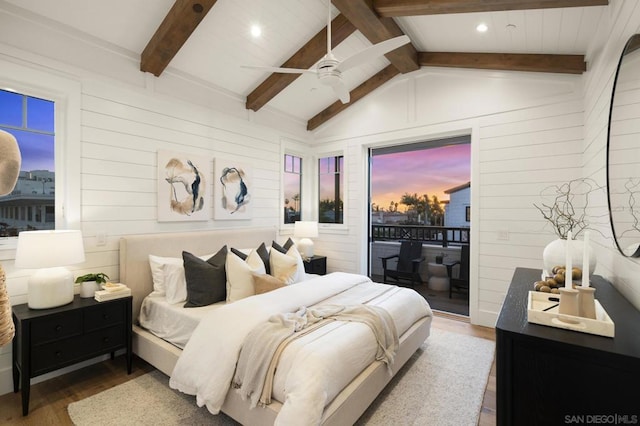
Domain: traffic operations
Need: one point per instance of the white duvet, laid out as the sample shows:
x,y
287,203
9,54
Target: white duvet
x,y
312,370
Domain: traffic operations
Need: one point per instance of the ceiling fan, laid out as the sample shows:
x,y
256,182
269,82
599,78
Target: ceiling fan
x,y
329,69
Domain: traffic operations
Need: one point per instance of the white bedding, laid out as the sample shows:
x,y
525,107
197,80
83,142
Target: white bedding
x,y
314,369
172,322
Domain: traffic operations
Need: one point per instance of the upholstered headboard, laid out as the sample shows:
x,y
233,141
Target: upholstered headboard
x,y
135,249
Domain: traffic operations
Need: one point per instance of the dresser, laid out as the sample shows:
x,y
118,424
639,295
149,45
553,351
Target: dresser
x,y
49,339
550,376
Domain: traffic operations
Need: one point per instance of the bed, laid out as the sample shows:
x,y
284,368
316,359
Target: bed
x,y
348,404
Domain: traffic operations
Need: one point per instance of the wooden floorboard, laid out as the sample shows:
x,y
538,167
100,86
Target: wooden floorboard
x,y
49,399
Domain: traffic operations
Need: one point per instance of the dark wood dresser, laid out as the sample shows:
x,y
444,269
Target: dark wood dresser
x,y
49,339
551,376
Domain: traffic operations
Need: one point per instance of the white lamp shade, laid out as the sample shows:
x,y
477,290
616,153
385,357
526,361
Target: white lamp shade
x,y
305,229
49,252
48,249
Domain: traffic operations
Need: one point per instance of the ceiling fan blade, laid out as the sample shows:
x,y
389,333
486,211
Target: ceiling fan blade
x,y
372,52
342,92
281,70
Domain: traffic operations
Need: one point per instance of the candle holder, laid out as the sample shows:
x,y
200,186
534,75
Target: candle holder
x,y
568,302
586,302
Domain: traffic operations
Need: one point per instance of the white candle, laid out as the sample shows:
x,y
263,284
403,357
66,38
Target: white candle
x,y
585,260
568,267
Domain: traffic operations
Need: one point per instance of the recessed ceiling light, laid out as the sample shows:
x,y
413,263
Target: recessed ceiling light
x,y
256,31
482,28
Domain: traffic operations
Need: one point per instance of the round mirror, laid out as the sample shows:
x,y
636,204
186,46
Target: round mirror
x,y
623,152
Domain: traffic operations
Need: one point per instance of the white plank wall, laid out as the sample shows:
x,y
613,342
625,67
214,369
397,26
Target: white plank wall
x,y
521,153
624,21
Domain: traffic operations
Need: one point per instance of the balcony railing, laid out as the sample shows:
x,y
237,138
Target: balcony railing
x,y
436,235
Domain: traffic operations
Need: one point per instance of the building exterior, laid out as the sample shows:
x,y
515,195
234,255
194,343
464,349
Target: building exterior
x,y
31,204
457,213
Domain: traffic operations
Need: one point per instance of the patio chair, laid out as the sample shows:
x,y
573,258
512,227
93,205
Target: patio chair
x,y
408,264
460,283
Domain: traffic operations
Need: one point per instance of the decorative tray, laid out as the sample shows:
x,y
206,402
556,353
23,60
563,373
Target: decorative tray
x,y
542,308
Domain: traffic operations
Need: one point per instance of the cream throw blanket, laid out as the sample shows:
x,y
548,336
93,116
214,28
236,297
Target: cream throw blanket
x,y
262,349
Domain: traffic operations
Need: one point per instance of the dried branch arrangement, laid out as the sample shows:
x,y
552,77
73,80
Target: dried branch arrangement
x,y
565,206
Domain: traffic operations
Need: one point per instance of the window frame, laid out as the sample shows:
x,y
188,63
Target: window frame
x,y
283,195
299,149
343,172
65,92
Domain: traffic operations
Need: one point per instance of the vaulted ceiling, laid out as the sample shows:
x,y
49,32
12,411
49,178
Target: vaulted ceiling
x,y
209,40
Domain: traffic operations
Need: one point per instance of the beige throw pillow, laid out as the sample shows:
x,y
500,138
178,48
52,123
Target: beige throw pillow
x,y
239,275
284,267
263,283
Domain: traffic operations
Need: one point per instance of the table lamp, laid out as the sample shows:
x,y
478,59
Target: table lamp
x,y
305,230
49,252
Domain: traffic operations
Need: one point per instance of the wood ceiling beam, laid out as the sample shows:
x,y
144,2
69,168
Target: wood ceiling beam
x,y
305,57
180,22
392,8
356,94
569,64
367,21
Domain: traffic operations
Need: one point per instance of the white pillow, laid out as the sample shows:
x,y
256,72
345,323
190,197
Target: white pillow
x,y
168,277
287,267
293,252
156,263
240,275
175,283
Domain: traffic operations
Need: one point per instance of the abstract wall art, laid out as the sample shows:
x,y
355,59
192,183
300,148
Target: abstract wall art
x,y
184,188
233,191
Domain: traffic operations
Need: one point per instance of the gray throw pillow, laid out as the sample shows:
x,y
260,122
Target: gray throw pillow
x,y
206,280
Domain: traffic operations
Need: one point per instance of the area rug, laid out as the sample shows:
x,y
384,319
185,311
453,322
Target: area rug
x,y
442,384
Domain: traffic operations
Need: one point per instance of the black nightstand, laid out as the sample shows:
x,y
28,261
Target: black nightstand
x,y
316,265
49,339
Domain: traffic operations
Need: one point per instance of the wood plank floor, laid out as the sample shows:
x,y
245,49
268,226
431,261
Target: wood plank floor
x,y
49,399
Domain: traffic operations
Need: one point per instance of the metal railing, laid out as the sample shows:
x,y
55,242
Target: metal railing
x,y
436,235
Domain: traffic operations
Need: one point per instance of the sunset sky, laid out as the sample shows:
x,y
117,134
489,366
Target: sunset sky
x,y
429,171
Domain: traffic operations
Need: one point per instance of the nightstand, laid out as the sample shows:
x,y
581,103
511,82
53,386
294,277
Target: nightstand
x,y
49,339
316,265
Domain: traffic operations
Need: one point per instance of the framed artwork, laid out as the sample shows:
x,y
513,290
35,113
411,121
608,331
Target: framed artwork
x,y
232,191
183,187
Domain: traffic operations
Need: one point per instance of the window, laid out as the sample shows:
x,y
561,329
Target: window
x,y
292,188
331,190
31,205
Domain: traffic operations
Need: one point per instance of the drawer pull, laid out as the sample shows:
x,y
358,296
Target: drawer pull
x,y
58,354
105,316
105,340
58,327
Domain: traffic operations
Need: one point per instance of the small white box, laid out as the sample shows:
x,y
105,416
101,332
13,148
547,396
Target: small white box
x,y
542,308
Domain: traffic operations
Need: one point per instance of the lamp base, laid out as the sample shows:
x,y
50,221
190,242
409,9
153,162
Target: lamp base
x,y
305,247
49,288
